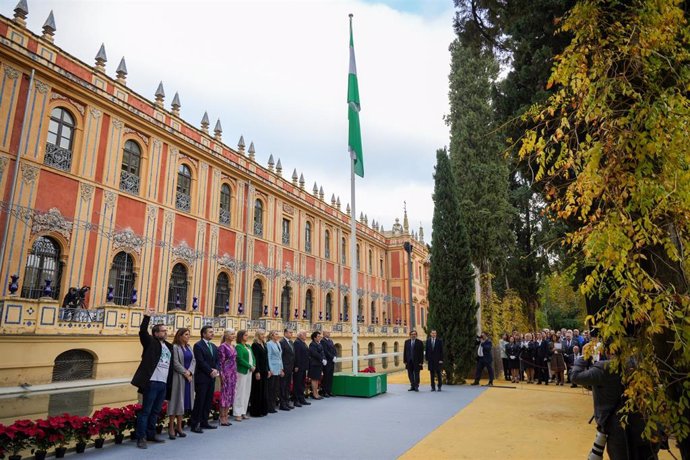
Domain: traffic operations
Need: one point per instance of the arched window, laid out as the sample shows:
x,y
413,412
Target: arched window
x,y
343,251
329,307
396,358
177,291
225,196
257,299
370,351
258,218
60,139
43,263
73,365
183,201
131,163
308,304
222,294
357,256
327,244
360,311
371,262
384,360
121,278
373,319
346,309
286,302
307,237
286,231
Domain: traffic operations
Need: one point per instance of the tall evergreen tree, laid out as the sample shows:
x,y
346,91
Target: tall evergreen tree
x,y
476,148
452,309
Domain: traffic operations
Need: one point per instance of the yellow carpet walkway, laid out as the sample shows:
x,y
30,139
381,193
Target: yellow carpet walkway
x,y
513,421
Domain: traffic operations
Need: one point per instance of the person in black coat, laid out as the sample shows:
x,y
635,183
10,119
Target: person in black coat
x,y
328,371
288,355
541,360
258,404
434,358
484,359
206,356
152,378
301,368
528,351
317,361
513,353
413,357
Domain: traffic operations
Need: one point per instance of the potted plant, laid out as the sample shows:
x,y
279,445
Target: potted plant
x,y
131,413
61,426
17,437
162,417
112,421
215,406
44,439
84,429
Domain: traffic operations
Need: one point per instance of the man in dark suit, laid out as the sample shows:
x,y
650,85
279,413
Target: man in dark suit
x,y
413,356
329,369
434,358
288,355
206,355
151,378
301,367
541,362
484,359
568,343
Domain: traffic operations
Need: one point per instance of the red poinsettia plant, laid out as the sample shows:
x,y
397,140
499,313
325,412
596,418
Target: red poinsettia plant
x,y
18,436
111,420
368,370
130,413
84,428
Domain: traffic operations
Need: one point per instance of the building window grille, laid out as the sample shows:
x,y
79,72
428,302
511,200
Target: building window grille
x,y
343,251
177,291
307,237
222,294
43,263
371,262
327,245
285,302
308,304
358,265
224,213
258,218
257,300
131,163
286,231
122,278
60,139
329,307
183,200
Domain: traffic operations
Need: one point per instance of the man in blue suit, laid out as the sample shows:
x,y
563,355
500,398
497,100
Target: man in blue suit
x,y
434,358
206,355
484,359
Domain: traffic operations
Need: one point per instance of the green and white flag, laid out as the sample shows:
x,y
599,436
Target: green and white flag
x,y
355,135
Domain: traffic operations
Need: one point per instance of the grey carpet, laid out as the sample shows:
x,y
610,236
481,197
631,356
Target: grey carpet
x,y
383,427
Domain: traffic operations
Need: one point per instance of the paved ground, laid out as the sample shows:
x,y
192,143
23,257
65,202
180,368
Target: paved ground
x,y
383,427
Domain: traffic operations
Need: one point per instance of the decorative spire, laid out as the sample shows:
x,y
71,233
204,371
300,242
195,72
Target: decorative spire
x,y
21,11
160,95
366,219
121,72
279,168
295,177
271,163
251,151
101,59
333,200
406,224
321,193
315,190
301,181
49,27
347,209
240,145
337,203
176,105
205,123
218,130
421,233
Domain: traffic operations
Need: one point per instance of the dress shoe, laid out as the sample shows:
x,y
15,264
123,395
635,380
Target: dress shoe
x,y
305,403
284,408
272,411
171,436
208,426
197,429
297,405
572,385
411,389
141,444
181,434
331,395
326,395
226,424
490,384
417,390
155,439
439,388
433,389
475,383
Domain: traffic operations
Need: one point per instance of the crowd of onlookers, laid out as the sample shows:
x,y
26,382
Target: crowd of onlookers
x,y
256,379
541,357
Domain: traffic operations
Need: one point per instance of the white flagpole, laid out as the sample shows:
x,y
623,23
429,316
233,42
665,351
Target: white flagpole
x,y
354,304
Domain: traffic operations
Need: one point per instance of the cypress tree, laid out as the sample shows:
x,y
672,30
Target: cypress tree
x,y
452,309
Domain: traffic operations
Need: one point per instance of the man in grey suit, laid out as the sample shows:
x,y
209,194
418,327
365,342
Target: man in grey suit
x,y
288,355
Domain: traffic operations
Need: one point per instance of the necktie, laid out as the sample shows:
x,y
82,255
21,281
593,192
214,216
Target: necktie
x,y
210,348
433,343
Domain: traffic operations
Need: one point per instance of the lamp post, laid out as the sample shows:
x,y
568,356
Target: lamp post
x,y
408,249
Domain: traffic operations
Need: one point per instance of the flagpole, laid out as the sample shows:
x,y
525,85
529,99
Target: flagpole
x,y
353,259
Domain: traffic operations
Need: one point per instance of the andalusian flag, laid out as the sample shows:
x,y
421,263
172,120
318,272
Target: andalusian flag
x,y
355,135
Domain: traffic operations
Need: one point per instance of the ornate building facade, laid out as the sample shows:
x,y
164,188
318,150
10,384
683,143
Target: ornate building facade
x,y
103,188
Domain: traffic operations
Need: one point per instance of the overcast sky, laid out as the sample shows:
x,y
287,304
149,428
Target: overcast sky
x,y
276,72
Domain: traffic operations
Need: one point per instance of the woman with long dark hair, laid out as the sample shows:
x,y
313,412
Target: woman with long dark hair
x,y
182,388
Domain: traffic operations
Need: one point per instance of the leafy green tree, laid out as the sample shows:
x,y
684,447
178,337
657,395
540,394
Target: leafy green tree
x,y
452,309
611,150
563,304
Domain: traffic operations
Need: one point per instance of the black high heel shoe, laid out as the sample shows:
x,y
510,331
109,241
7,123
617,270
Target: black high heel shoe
x,y
181,434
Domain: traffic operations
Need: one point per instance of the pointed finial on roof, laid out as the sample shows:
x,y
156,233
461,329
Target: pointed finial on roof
x,y
361,217
321,193
240,145
366,219
279,168
21,11
301,181
252,151
271,163
406,224
160,95
101,59
421,233
121,71
49,27
337,203
347,209
205,123
333,199
295,177
315,190
218,130
176,105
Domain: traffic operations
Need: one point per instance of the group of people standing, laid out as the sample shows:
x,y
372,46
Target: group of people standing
x,y
414,353
255,380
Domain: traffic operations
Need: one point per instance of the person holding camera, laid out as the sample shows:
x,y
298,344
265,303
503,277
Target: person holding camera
x,y
484,359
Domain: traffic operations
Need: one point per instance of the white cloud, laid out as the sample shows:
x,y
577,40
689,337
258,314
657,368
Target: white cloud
x,y
276,71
